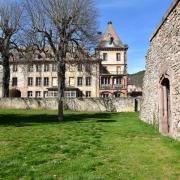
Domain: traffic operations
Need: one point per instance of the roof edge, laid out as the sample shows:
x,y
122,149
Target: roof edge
x,y
164,18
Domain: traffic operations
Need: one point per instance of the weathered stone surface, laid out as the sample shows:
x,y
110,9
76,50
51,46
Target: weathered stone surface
x,y
76,104
163,58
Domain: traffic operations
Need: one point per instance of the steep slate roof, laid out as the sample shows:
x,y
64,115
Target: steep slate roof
x,y
110,38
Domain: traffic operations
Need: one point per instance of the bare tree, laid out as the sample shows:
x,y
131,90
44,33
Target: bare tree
x,y
10,18
68,26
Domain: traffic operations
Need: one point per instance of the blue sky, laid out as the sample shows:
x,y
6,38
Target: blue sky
x,y
134,21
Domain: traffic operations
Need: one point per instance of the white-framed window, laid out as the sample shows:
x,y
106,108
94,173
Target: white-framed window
x,y
105,56
38,67
88,93
30,81
45,94
38,81
29,94
30,68
46,81
15,68
118,56
79,81
70,94
71,81
46,67
54,81
88,81
54,67
38,94
79,67
105,80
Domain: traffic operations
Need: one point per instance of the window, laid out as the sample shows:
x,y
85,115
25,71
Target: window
x,y
105,95
38,94
54,81
71,68
46,67
88,81
30,81
45,94
71,81
14,67
38,81
14,81
79,81
29,94
80,67
70,94
118,56
38,67
117,80
54,67
30,68
104,56
80,94
46,81
39,56
105,80
88,68
88,93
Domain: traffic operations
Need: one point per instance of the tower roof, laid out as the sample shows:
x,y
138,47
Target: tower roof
x,y
110,38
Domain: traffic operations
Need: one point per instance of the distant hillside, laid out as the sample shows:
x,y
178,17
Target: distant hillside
x,y
136,78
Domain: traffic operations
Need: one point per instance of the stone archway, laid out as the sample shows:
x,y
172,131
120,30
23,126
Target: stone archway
x,y
165,108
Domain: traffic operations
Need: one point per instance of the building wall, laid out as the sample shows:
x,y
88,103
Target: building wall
x,y
22,75
163,59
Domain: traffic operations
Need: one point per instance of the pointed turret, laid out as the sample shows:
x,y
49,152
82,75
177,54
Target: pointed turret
x,y
110,38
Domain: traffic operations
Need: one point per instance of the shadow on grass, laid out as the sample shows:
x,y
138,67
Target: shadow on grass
x,y
21,120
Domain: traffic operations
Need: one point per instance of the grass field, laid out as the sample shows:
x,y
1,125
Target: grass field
x,y
87,146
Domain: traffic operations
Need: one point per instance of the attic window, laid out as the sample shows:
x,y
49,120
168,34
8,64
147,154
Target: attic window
x,y
111,40
39,56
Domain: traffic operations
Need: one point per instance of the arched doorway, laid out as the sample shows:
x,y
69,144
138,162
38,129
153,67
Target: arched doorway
x,y
14,93
165,109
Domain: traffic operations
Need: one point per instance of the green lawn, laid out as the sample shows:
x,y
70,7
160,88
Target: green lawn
x,y
33,145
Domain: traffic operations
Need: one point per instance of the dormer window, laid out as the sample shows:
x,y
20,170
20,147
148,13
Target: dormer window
x,y
111,40
104,56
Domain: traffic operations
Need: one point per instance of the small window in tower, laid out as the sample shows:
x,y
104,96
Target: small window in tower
x,y
104,56
118,57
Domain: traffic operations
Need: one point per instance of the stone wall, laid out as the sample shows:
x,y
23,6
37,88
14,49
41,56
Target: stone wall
x,y
163,59
76,104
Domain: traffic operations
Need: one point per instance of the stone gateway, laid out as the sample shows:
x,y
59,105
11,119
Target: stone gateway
x,y
161,88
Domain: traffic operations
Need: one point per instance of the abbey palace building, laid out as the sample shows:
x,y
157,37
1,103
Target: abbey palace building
x,y
105,75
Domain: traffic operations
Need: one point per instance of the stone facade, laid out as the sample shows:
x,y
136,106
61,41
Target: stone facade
x,y
75,104
36,77
161,88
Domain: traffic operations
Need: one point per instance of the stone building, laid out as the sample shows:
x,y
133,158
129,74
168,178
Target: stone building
x,y
113,69
101,76
161,89
37,78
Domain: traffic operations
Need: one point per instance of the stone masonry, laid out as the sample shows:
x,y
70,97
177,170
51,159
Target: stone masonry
x,y
161,89
121,104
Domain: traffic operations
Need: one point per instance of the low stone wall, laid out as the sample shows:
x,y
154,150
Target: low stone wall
x,y
76,104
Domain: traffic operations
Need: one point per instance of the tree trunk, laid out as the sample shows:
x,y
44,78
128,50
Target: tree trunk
x,y
6,76
61,88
